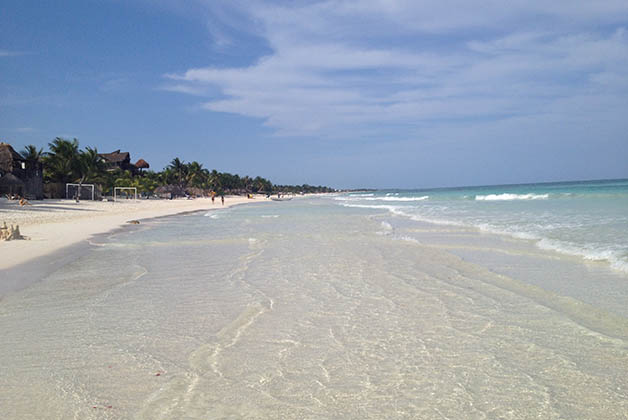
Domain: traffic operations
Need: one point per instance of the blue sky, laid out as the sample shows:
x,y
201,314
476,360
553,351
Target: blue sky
x,y
368,93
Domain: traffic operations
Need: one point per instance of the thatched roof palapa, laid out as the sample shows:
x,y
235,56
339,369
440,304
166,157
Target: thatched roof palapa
x,y
8,155
9,180
142,164
198,192
115,157
175,190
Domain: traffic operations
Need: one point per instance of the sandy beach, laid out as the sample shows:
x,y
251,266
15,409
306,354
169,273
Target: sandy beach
x,y
51,225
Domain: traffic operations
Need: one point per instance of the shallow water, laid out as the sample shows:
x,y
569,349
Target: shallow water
x,y
306,309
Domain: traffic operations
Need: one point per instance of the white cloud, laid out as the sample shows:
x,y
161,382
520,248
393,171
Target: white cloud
x,y
357,67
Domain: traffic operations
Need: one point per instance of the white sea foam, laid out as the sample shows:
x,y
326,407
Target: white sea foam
x,y
591,253
409,239
588,252
270,216
386,198
399,211
361,195
396,210
571,234
387,229
425,197
510,197
485,227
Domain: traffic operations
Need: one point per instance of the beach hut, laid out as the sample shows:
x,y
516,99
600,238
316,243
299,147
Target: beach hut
x,y
10,184
169,191
118,160
195,192
26,180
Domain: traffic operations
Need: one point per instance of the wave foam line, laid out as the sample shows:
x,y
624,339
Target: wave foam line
x,y
397,210
613,257
387,198
425,197
511,197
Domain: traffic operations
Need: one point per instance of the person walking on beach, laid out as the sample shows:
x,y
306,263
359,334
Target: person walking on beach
x,y
222,199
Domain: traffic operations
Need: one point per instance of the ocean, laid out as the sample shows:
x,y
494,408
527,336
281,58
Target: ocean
x,y
585,218
501,302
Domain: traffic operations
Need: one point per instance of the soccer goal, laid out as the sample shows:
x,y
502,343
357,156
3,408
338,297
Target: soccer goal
x,y
74,190
116,189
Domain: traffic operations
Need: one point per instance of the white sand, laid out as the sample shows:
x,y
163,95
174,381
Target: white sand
x,y
54,224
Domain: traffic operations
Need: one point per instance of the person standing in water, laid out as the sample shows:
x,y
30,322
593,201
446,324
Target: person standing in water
x,y
222,199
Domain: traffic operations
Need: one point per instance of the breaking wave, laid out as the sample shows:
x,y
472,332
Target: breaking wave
x,y
616,256
394,198
386,198
612,256
510,197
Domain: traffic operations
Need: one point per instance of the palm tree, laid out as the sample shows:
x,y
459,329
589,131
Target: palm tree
x,y
89,166
196,175
213,180
246,183
178,166
167,176
146,184
32,156
61,164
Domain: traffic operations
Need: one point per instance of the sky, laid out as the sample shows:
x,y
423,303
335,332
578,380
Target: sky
x,y
348,94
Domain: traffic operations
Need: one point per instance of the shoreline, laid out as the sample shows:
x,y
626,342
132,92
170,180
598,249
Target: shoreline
x,y
52,226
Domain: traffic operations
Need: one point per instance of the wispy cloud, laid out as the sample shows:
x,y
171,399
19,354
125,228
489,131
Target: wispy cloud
x,y
24,129
115,84
188,89
361,67
8,53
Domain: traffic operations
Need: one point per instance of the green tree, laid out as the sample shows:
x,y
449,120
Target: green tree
x,y
89,166
61,164
196,175
32,155
213,181
179,168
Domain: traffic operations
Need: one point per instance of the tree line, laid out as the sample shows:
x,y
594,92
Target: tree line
x,y
65,162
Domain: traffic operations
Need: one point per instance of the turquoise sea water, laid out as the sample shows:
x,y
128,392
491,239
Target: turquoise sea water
x,y
588,219
347,306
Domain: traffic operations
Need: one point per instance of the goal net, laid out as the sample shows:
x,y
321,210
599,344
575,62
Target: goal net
x,y
124,192
80,191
